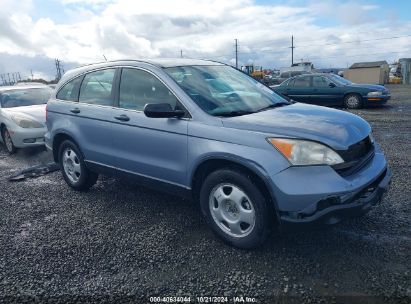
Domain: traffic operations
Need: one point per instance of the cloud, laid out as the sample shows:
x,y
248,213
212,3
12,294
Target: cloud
x,y
201,29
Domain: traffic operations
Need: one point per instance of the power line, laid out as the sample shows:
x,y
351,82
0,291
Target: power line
x,y
356,41
357,55
282,40
283,51
331,43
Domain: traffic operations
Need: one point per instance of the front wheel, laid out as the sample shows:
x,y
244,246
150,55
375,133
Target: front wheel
x,y
8,141
353,101
73,167
235,208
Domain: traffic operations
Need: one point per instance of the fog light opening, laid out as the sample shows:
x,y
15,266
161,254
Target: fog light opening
x,y
29,140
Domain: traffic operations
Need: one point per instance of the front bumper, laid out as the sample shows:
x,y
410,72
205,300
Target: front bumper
x,y
336,209
376,100
318,194
29,137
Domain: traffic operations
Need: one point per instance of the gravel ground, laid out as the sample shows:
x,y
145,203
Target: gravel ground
x,y
121,242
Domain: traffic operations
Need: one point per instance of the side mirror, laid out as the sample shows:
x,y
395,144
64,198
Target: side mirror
x,y
331,85
162,110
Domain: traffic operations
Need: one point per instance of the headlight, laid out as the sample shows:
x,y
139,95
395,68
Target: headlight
x,y
26,122
304,152
375,93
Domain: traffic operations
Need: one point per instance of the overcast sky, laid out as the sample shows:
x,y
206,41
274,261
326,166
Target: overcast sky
x,y
329,33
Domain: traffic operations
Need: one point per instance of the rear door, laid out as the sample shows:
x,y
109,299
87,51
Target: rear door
x,y
150,147
87,113
299,89
325,92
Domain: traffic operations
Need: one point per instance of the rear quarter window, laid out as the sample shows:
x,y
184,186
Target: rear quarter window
x,y
70,90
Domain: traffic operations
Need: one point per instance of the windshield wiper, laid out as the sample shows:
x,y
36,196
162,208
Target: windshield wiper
x,y
274,105
234,113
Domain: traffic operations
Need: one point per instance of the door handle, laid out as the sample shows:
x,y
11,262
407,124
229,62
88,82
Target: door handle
x,y
75,110
122,117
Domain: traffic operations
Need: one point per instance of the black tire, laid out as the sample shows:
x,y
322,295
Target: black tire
x,y
353,101
86,178
11,149
263,220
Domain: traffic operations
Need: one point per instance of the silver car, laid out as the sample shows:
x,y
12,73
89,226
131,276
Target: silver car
x,y
23,115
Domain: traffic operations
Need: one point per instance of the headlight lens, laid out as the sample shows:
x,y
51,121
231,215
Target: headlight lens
x,y
26,122
375,93
304,152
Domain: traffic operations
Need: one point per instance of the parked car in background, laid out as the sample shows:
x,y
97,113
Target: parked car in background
x,y
285,75
23,115
199,128
332,90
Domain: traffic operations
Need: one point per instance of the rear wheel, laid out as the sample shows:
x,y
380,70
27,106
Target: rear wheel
x,y
73,167
352,101
235,208
8,141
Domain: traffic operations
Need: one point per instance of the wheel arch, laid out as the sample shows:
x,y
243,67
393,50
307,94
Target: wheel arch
x,y
209,165
57,140
352,93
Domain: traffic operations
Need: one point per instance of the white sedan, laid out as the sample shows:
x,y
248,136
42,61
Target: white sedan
x,y
23,115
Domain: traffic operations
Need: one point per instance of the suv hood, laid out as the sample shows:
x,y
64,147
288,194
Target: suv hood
x,y
37,112
335,128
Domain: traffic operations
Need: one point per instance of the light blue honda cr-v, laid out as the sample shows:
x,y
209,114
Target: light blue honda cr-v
x,y
251,158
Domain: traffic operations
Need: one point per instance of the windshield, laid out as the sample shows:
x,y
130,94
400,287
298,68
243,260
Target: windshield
x,y
340,80
224,91
25,97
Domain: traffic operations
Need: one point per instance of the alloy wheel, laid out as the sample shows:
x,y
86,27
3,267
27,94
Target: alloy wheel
x,y
352,102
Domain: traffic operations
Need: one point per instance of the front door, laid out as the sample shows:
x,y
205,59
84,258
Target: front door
x,y
300,89
150,147
325,92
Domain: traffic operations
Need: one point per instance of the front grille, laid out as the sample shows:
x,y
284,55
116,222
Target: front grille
x,y
355,157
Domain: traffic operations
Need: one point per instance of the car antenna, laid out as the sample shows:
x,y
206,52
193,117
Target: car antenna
x,y
104,57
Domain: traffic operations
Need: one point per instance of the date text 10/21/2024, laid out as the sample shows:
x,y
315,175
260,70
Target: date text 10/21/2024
x,y
186,299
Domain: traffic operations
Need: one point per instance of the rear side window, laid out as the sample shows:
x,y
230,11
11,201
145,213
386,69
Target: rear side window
x,y
70,90
138,88
302,82
96,88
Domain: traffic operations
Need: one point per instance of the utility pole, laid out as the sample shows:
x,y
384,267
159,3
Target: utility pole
x,y
58,69
181,53
31,73
236,53
292,50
